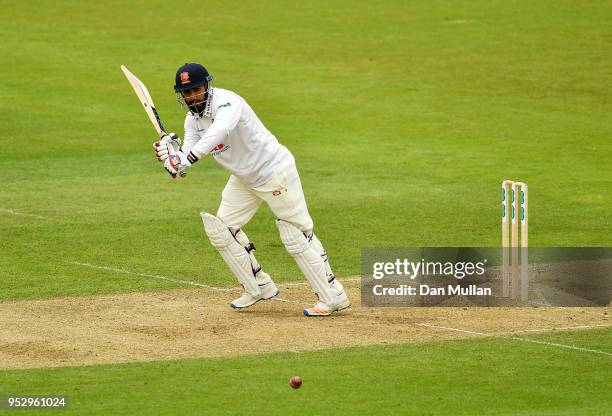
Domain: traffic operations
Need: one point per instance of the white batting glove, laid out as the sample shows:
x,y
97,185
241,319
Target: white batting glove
x,y
177,164
168,145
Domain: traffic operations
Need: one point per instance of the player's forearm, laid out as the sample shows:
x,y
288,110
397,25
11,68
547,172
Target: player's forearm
x,y
207,143
191,140
226,119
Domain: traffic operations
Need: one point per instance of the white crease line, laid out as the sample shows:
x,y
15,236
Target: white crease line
x,y
554,344
460,22
10,211
533,341
154,276
457,330
566,328
172,279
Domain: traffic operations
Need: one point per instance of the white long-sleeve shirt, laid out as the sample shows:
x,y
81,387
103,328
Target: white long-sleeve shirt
x,y
237,139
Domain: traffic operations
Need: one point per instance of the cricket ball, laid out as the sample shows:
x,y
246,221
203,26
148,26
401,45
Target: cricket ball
x,y
295,382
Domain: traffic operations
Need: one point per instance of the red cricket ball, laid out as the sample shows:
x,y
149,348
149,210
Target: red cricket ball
x,y
295,382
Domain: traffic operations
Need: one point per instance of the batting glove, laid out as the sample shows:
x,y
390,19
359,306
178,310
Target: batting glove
x,y
177,164
167,146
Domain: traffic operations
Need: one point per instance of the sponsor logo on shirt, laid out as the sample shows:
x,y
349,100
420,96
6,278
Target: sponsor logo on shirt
x,y
225,105
218,149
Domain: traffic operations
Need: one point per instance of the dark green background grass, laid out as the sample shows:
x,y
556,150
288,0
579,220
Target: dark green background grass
x,y
469,377
404,117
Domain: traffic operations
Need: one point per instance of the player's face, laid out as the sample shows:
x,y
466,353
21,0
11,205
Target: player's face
x,y
195,98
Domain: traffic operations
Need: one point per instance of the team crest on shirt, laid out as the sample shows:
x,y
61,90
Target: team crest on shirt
x,y
218,149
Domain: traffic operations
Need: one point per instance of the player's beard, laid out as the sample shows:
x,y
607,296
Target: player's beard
x,y
198,106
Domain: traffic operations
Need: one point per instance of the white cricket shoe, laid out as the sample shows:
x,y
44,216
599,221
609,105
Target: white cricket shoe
x,y
323,309
268,291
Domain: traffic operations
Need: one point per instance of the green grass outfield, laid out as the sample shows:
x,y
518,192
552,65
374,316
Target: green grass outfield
x,y
404,117
489,376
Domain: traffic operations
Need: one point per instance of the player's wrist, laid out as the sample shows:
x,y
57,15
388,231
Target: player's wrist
x,y
192,157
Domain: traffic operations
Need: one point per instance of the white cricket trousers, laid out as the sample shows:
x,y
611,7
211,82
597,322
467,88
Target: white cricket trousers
x,y
283,194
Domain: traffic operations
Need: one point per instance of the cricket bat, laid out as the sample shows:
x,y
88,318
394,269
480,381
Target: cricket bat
x,y
149,106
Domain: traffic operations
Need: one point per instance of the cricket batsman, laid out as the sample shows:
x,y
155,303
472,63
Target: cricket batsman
x,y
221,124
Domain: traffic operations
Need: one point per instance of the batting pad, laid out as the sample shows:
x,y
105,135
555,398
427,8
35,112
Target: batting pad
x,y
241,262
311,258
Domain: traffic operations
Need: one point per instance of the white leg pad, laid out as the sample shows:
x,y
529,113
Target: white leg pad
x,y
237,251
312,260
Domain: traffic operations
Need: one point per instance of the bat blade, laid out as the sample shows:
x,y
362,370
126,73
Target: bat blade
x,y
145,99
147,103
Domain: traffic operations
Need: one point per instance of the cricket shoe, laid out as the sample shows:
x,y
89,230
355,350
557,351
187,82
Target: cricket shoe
x,y
323,309
268,291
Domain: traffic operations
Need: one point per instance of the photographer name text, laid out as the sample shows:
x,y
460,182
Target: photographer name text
x,y
426,290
